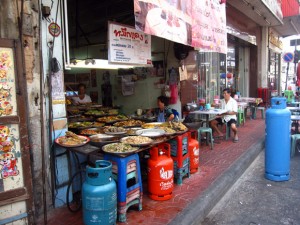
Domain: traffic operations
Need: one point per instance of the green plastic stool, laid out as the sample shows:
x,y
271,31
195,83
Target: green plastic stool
x,y
295,138
241,117
206,130
262,109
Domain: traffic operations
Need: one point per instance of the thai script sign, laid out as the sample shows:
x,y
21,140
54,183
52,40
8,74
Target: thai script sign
x,y
127,45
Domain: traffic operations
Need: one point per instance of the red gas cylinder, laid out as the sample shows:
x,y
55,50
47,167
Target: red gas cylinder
x,y
194,152
160,173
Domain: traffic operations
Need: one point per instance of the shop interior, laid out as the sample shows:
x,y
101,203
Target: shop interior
x,y
129,88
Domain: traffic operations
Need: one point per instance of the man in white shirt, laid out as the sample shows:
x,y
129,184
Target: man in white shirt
x,y
81,98
229,117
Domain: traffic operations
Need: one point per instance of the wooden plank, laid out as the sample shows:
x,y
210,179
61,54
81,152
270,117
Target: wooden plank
x,y
12,194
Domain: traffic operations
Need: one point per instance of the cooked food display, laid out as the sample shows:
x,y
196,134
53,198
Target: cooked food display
x,y
168,127
97,124
71,139
136,140
110,119
90,132
129,123
119,148
113,112
80,124
159,139
102,139
168,130
152,125
113,129
95,112
178,126
132,131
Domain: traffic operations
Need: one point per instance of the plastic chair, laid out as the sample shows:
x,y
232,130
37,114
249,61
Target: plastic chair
x,y
206,130
295,138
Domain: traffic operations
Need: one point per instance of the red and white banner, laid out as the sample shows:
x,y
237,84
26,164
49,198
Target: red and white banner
x,y
201,24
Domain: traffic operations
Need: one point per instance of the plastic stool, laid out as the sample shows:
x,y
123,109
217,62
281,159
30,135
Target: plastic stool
x,y
181,157
228,129
241,117
125,170
262,109
202,130
295,138
252,110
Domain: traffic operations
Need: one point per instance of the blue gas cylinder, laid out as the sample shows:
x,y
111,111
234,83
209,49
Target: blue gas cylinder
x,y
99,195
278,141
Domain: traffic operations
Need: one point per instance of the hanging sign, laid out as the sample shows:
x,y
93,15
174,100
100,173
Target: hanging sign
x,y
200,24
54,29
127,45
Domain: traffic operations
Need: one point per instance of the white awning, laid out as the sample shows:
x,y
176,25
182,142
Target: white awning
x,y
258,11
291,26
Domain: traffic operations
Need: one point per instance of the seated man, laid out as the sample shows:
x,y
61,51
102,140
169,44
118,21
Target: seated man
x,y
229,117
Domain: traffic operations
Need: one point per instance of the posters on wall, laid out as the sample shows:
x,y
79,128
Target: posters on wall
x,y
58,91
10,154
201,24
7,83
127,45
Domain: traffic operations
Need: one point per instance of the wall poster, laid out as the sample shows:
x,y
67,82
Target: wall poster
x,y
201,24
8,104
10,154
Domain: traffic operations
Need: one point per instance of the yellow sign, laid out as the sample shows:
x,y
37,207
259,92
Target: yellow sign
x,y
274,39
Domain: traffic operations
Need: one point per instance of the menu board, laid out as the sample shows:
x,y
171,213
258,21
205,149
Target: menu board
x,y
8,105
127,45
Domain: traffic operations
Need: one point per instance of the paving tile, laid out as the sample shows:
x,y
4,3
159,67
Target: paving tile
x,y
213,163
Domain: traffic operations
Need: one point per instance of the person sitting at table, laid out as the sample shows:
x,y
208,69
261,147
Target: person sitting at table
x,y
229,118
163,112
81,98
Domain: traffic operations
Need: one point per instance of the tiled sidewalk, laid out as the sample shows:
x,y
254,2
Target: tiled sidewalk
x,y
213,163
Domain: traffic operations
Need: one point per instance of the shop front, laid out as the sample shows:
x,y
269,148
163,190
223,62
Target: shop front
x,y
274,62
120,97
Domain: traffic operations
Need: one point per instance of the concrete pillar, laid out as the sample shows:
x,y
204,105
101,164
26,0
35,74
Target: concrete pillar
x,y
262,78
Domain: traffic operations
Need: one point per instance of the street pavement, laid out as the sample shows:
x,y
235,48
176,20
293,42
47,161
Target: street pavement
x,y
254,200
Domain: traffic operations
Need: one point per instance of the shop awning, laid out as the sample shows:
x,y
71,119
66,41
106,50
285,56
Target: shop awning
x,y
291,18
258,11
291,26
